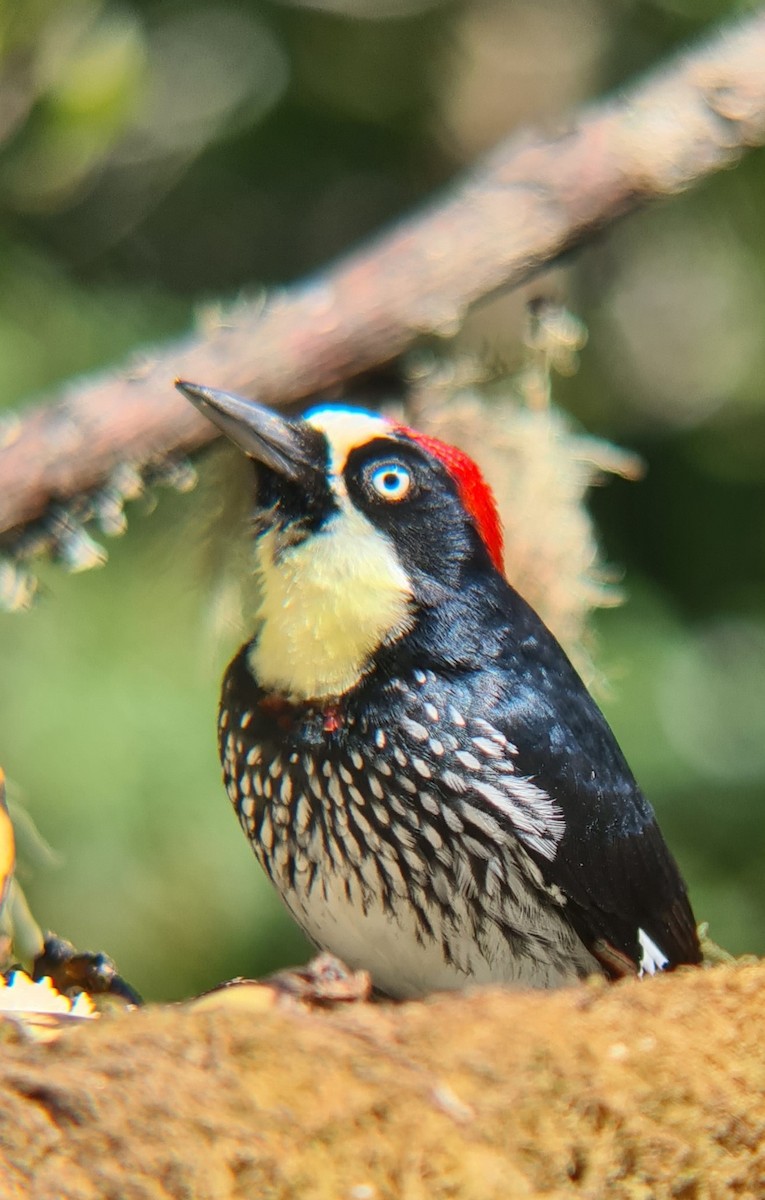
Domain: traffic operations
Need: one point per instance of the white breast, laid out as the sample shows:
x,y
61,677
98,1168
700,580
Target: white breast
x,y
404,964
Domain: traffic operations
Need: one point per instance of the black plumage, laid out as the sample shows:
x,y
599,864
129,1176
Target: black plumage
x,y
610,873
460,811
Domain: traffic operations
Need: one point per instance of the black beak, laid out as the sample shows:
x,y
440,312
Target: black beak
x,y
288,446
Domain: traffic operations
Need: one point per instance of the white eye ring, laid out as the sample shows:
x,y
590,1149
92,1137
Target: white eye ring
x,y
391,480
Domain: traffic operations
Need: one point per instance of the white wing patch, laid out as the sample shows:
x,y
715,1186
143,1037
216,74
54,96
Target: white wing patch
x,y
652,959
535,816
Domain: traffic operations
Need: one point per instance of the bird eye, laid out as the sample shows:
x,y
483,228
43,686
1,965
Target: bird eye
x,y
391,480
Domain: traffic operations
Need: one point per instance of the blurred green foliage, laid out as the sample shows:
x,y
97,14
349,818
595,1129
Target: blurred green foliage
x,y
155,156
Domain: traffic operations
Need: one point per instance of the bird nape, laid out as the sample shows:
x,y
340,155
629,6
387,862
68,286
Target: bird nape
x,y
418,767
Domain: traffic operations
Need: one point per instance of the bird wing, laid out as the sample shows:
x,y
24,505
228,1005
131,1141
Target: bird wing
x,y
536,754
623,891
625,895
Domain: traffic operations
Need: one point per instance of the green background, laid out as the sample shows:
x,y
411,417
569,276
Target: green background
x,y
157,158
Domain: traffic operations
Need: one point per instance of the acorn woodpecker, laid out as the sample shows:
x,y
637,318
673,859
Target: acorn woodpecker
x,y
420,770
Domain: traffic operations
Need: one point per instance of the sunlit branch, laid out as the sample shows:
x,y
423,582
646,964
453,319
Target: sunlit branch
x,y
512,215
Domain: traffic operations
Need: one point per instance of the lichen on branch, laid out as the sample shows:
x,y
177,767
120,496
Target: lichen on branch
x,y
512,214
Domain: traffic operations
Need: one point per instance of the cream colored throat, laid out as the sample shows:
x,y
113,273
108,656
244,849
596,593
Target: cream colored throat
x,y
327,605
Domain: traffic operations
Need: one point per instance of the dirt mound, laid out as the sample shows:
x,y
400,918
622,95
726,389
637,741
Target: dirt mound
x,y
653,1089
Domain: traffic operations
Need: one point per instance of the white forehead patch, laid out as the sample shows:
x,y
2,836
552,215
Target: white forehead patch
x,y
346,428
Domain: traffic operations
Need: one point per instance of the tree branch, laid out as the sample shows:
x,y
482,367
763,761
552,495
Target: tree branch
x,y
529,201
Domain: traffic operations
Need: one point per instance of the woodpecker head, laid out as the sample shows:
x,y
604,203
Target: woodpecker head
x,y
360,524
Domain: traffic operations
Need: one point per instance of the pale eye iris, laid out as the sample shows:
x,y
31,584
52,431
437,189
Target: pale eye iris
x,y
391,481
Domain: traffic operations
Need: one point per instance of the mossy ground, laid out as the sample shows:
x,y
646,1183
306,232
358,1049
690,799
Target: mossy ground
x,y
650,1089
